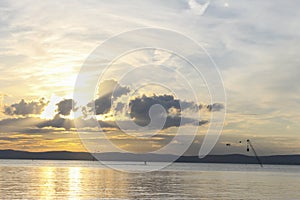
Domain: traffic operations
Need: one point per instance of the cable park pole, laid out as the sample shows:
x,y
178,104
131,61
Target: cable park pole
x,y
249,144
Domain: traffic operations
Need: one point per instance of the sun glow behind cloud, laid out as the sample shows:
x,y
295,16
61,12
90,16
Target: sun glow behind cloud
x,y
51,109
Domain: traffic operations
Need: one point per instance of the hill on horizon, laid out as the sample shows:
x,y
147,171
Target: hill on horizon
x,y
114,156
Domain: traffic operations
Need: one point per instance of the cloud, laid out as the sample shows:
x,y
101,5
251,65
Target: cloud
x,y
65,107
16,122
139,109
215,107
57,122
198,9
111,88
60,122
101,105
202,122
108,91
12,126
26,108
181,121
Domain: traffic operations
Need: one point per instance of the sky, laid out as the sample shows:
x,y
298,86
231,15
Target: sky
x,y
45,44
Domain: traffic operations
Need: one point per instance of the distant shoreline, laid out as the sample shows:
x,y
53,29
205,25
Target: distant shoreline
x,y
111,156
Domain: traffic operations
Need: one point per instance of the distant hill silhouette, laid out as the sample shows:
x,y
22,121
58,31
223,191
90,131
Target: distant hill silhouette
x,y
110,156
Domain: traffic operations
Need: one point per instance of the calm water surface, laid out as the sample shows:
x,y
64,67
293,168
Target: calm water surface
x,y
26,179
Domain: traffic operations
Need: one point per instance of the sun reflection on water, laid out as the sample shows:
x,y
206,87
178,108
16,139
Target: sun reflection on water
x,y
47,182
74,182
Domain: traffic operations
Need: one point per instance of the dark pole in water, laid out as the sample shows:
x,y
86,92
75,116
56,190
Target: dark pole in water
x,y
256,156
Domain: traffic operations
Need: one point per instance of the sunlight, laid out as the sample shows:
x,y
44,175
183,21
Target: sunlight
x,y
71,116
47,182
106,117
50,110
74,182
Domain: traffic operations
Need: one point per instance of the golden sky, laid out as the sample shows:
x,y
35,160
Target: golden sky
x,y
44,44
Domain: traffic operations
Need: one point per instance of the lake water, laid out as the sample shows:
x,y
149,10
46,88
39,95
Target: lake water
x,y
26,179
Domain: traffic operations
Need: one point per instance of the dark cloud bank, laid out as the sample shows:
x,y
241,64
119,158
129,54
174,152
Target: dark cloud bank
x,y
139,110
109,92
65,107
26,108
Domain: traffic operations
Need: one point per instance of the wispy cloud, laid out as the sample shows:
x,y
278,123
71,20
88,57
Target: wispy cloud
x,y
197,8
